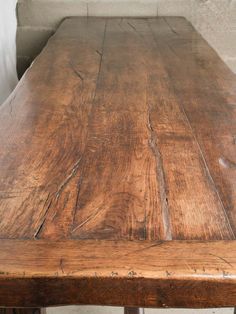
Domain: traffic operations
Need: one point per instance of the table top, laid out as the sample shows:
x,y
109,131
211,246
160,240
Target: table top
x,y
118,170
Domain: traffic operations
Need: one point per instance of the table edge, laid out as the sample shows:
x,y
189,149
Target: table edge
x,y
128,273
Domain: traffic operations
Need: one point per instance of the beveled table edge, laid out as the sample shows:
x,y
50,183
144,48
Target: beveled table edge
x,y
40,273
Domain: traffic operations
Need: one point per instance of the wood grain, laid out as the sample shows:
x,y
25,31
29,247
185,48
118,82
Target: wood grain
x,y
46,99
117,150
119,166
106,146
204,88
124,273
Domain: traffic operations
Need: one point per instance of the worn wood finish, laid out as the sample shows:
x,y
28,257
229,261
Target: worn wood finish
x,y
117,170
124,273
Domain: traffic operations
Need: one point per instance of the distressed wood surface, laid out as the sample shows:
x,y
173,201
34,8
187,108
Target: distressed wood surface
x,y
121,135
124,273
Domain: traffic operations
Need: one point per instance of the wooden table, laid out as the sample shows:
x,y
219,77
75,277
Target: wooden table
x,y
118,170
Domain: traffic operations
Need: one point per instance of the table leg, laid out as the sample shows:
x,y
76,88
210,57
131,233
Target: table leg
x,y
133,310
22,311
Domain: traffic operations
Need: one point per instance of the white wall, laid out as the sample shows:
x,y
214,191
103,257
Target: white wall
x,y
8,77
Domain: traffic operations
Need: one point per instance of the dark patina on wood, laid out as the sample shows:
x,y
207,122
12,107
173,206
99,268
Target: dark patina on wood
x,y
117,170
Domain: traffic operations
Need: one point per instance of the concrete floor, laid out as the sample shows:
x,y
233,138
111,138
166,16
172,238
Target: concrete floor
x,y
119,310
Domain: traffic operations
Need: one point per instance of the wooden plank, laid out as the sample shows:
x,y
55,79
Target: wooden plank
x,y
119,194
204,87
193,215
124,273
42,131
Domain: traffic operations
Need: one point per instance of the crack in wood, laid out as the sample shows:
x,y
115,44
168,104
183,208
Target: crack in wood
x,y
132,26
77,199
57,195
36,234
160,174
77,73
99,52
90,217
38,231
171,28
70,176
135,29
